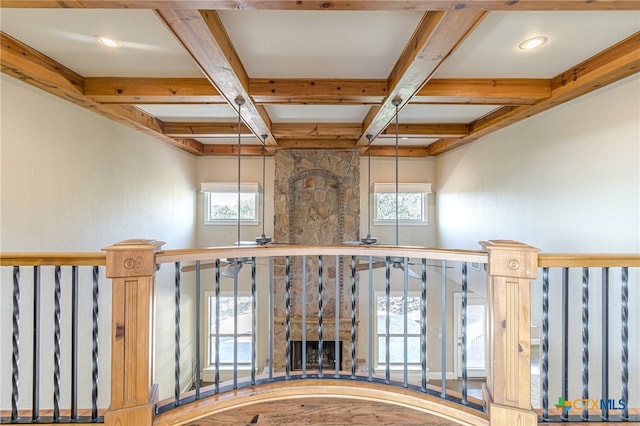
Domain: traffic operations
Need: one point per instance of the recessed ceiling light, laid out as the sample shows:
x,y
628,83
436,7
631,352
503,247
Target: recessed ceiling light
x,y
107,41
532,43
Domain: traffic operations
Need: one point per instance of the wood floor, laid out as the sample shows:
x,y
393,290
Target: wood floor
x,y
322,411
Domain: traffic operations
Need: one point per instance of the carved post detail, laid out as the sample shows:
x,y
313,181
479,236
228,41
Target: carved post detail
x,y
131,265
507,392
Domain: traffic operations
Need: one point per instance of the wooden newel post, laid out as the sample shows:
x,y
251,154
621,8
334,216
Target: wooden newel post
x,y
131,266
507,392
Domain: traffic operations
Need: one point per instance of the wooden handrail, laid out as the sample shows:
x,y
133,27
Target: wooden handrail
x,y
278,250
53,259
579,260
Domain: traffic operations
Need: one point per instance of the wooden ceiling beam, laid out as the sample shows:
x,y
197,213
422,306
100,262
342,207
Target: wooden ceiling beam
x,y
205,130
128,90
311,131
204,37
256,150
311,91
429,130
416,5
140,90
32,67
317,130
403,151
613,64
232,149
437,34
317,144
483,91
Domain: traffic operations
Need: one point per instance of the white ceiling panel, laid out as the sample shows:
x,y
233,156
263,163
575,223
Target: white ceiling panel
x,y
491,51
212,113
317,113
419,113
330,44
147,48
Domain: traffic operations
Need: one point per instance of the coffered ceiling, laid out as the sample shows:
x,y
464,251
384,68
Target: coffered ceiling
x,y
316,74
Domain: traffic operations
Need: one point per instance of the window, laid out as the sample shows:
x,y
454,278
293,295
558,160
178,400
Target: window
x,y
412,203
396,329
221,202
226,330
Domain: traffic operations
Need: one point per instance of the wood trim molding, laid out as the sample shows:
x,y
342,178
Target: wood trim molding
x,y
417,5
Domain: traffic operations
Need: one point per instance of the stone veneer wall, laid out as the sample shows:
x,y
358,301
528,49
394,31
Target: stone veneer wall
x,y
316,202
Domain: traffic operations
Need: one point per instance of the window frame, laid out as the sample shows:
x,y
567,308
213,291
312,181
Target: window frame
x,y
210,296
210,188
423,189
378,364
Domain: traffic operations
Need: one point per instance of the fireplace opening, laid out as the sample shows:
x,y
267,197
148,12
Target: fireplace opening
x,y
312,355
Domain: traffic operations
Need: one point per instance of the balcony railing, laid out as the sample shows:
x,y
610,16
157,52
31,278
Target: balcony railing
x,y
190,339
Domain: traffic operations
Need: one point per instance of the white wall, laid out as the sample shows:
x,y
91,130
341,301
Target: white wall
x,y
75,181
566,180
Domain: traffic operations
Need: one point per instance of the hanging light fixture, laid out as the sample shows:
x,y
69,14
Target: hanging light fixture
x,y
263,239
235,264
379,262
396,102
369,240
398,262
239,101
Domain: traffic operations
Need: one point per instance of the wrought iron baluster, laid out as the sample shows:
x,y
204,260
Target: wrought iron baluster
x,y
253,320
423,326
304,317
463,341
270,318
565,339
236,270
94,352
338,354
35,389
373,308
56,343
443,324
176,326
405,308
320,306
198,331
387,323
217,326
74,342
15,345
604,394
624,308
585,340
287,328
545,344
353,317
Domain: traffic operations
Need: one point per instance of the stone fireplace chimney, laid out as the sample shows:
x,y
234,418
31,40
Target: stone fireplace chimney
x,y
316,202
